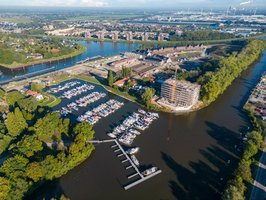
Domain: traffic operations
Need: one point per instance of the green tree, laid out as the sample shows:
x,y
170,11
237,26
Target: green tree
x,y
230,68
250,150
235,190
110,78
233,193
2,93
28,104
4,188
35,171
83,131
13,164
51,127
147,96
244,170
15,123
257,139
28,146
13,97
37,87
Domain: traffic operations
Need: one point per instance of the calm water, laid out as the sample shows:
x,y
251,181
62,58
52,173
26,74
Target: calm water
x,y
192,150
93,49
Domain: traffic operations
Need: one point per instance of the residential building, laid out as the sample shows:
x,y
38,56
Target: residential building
x,y
161,37
115,35
88,34
37,95
145,36
179,93
100,35
129,36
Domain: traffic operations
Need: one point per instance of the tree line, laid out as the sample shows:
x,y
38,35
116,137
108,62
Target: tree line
x,y
228,69
40,146
236,188
200,35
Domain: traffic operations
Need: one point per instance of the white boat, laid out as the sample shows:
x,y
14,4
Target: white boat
x,y
134,131
142,111
111,135
135,160
132,151
150,171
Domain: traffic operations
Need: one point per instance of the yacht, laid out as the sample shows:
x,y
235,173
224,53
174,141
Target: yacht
x,y
132,151
111,135
135,160
150,171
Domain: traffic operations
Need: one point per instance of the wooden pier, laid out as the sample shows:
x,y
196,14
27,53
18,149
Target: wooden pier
x,y
128,159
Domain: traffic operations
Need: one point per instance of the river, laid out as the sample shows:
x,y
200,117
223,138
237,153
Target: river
x,y
192,150
93,49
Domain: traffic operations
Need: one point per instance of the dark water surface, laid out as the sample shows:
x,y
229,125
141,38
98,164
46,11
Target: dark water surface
x,y
104,49
192,150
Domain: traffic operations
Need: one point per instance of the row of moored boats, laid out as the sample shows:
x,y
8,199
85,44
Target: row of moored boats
x,y
60,88
77,91
82,102
103,110
130,128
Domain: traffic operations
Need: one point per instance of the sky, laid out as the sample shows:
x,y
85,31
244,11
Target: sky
x,y
131,3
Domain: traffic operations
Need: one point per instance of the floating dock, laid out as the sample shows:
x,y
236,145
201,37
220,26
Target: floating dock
x,y
142,180
119,149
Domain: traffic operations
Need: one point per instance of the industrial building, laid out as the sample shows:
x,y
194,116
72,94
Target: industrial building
x,y
179,94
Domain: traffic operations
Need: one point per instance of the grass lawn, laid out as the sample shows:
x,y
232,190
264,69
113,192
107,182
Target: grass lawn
x,y
19,20
50,100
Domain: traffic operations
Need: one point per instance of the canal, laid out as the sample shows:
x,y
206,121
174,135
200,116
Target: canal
x,y
193,152
104,49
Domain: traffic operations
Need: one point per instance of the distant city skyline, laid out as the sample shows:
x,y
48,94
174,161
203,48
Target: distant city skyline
x,y
135,3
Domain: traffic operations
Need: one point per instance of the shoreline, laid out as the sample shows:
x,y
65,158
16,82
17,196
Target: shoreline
x,y
199,106
44,61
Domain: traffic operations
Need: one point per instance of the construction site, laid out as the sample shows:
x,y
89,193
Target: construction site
x,y
179,94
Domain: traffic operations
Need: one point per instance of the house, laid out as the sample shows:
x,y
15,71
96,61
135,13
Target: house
x,y
121,83
38,96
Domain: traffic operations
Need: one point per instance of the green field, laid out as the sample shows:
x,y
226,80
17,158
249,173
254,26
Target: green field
x,y
15,65
50,101
18,20
104,17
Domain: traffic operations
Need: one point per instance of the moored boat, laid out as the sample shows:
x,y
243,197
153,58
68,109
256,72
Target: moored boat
x,y
132,151
135,160
150,171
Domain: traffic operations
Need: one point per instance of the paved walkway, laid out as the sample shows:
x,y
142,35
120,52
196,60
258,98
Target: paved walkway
x,y
259,185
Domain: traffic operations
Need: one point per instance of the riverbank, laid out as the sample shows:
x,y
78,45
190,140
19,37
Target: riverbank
x,y
255,107
247,178
207,138
44,61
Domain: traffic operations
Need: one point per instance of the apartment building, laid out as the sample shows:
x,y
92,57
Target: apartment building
x,y
180,94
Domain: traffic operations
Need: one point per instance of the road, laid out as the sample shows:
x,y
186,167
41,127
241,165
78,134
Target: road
x,y
259,185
